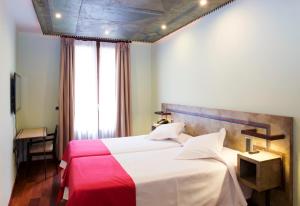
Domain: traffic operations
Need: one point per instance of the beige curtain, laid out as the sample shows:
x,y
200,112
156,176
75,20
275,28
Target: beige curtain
x,y
66,94
123,90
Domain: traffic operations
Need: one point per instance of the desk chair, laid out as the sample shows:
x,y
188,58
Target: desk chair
x,y
42,147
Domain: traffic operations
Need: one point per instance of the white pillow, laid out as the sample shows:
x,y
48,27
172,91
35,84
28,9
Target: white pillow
x,y
182,138
167,131
222,136
204,146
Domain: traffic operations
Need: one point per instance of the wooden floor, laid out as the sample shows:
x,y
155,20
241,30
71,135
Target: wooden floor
x,y
31,188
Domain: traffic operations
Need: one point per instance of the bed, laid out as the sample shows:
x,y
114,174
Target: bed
x,y
154,178
151,175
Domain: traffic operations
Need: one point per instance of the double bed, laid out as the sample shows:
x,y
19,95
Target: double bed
x,y
138,171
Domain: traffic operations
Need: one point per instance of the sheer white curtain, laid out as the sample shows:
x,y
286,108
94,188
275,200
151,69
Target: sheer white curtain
x,y
107,90
86,90
95,90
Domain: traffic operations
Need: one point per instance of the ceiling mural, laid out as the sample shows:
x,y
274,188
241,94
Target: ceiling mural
x,y
133,20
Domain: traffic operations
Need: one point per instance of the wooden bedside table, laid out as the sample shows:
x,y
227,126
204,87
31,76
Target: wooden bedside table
x,y
260,171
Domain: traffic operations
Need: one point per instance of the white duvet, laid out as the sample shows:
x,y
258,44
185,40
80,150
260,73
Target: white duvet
x,y
137,144
161,180
131,144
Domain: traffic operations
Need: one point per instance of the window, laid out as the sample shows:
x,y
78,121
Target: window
x,y
107,90
95,90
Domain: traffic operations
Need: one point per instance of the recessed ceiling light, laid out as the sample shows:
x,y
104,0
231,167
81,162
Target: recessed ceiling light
x,y
203,2
58,15
163,27
106,32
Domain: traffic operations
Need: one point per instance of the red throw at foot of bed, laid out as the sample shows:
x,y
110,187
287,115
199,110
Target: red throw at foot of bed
x,y
81,148
84,148
100,181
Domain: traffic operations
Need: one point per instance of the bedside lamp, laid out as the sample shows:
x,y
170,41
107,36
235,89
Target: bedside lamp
x,y
252,133
249,145
163,117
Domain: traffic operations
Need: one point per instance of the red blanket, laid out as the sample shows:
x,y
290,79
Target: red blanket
x,y
81,148
84,148
101,181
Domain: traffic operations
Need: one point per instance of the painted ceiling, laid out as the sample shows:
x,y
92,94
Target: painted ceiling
x,y
133,20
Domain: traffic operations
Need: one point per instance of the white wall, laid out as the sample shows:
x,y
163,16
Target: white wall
x,y
7,126
38,61
141,87
245,56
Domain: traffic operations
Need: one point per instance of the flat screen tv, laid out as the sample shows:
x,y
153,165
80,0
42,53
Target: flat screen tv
x,y
15,93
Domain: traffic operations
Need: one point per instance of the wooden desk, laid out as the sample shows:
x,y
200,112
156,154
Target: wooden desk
x,y
25,134
28,134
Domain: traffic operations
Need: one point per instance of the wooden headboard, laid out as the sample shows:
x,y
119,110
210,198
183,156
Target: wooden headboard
x,y
200,120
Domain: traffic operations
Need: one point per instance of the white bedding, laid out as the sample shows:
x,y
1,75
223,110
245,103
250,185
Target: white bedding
x,y
131,144
140,143
161,180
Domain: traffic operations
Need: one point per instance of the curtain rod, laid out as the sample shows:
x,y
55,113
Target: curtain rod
x,y
95,39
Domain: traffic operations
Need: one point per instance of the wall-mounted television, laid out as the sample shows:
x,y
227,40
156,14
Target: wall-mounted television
x,y
15,93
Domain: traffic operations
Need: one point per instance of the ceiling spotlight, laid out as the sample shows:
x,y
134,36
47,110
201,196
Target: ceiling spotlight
x,y
106,32
163,27
203,2
58,15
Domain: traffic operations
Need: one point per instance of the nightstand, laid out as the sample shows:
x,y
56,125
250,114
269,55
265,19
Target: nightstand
x,y
260,171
